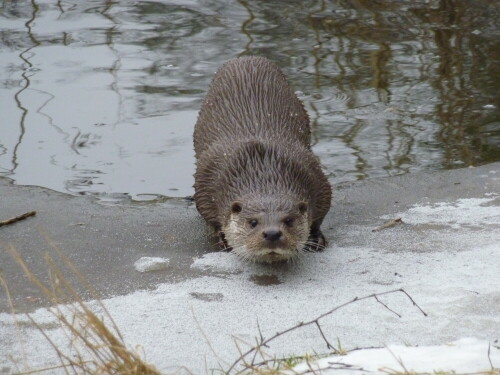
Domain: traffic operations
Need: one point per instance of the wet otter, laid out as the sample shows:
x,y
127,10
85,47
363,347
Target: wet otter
x,y
257,182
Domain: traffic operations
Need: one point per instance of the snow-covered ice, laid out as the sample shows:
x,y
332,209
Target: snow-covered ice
x,y
446,255
472,211
467,355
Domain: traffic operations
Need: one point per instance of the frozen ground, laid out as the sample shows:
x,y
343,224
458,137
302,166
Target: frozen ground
x,y
446,255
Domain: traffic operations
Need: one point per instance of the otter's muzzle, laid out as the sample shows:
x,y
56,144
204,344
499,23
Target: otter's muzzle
x,y
272,238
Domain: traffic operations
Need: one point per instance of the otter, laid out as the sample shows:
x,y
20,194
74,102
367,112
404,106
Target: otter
x,y
257,182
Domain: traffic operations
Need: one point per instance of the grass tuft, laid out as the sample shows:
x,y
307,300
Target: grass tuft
x,y
96,346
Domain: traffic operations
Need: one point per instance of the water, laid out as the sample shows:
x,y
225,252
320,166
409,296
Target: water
x,y
101,97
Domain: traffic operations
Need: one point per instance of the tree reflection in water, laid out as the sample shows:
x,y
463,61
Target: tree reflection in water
x,y
94,92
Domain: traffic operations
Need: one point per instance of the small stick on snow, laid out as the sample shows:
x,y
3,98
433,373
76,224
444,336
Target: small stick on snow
x,y
17,218
387,307
489,357
389,224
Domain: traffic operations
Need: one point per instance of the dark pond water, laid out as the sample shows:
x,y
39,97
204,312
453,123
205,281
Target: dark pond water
x,y
100,97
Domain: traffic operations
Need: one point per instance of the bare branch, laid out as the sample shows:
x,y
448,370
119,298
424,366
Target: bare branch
x,y
387,307
328,345
412,301
264,343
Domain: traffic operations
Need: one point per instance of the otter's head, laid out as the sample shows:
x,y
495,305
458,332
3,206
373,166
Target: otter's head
x,y
267,229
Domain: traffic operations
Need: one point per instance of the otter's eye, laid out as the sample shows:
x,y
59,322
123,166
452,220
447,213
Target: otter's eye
x,y
288,221
253,223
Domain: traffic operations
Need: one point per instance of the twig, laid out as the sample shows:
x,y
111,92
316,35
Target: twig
x,y
412,301
260,341
264,343
489,355
328,345
387,307
17,218
389,224
260,331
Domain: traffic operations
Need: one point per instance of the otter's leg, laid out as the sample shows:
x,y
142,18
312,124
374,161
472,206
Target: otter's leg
x,y
220,236
223,245
316,241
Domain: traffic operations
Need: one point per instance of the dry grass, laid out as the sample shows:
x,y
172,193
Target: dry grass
x,y
95,344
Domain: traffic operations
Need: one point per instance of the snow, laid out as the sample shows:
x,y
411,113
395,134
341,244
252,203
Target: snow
x,y
467,355
472,211
148,264
446,255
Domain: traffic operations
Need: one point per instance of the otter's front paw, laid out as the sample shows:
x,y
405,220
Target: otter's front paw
x,y
316,242
223,242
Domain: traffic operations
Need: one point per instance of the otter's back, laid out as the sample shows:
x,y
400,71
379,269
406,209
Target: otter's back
x,y
249,97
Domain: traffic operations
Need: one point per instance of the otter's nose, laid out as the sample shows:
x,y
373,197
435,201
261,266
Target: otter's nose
x,y
272,234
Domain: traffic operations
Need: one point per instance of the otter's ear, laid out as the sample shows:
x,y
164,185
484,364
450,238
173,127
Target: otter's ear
x,y
236,207
302,207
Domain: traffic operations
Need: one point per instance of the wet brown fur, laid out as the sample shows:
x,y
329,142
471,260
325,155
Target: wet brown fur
x,y
252,145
